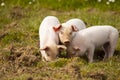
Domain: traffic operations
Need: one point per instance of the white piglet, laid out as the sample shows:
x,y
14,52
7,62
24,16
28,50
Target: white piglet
x,y
85,41
69,28
49,40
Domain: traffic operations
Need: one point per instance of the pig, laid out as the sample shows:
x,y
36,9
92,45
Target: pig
x,y
49,41
87,40
69,28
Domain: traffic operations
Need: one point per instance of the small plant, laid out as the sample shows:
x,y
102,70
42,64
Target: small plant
x,y
59,63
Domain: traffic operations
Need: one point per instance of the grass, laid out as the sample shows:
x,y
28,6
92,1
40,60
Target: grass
x,y
19,25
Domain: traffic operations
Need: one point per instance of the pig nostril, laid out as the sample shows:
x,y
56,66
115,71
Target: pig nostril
x,y
47,61
66,43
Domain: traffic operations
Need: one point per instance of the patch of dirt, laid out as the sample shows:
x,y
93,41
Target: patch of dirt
x,y
18,61
24,56
91,10
97,76
114,12
23,60
17,12
2,35
26,60
6,29
10,25
73,70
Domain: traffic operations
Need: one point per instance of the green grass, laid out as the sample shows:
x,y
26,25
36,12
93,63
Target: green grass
x,y
22,39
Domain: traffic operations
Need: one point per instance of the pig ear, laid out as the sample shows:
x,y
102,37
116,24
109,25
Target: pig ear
x,y
57,28
45,48
74,28
76,48
62,47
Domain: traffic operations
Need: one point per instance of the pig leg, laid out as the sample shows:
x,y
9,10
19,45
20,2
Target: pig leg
x,y
106,48
112,48
90,54
111,52
113,42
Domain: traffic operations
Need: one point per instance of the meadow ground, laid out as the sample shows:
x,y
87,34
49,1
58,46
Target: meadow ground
x,y
19,49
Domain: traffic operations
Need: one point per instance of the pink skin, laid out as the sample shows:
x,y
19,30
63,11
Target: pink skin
x,y
87,40
68,29
49,41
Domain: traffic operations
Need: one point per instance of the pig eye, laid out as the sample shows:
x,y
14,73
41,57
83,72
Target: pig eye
x,y
70,33
61,32
47,54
